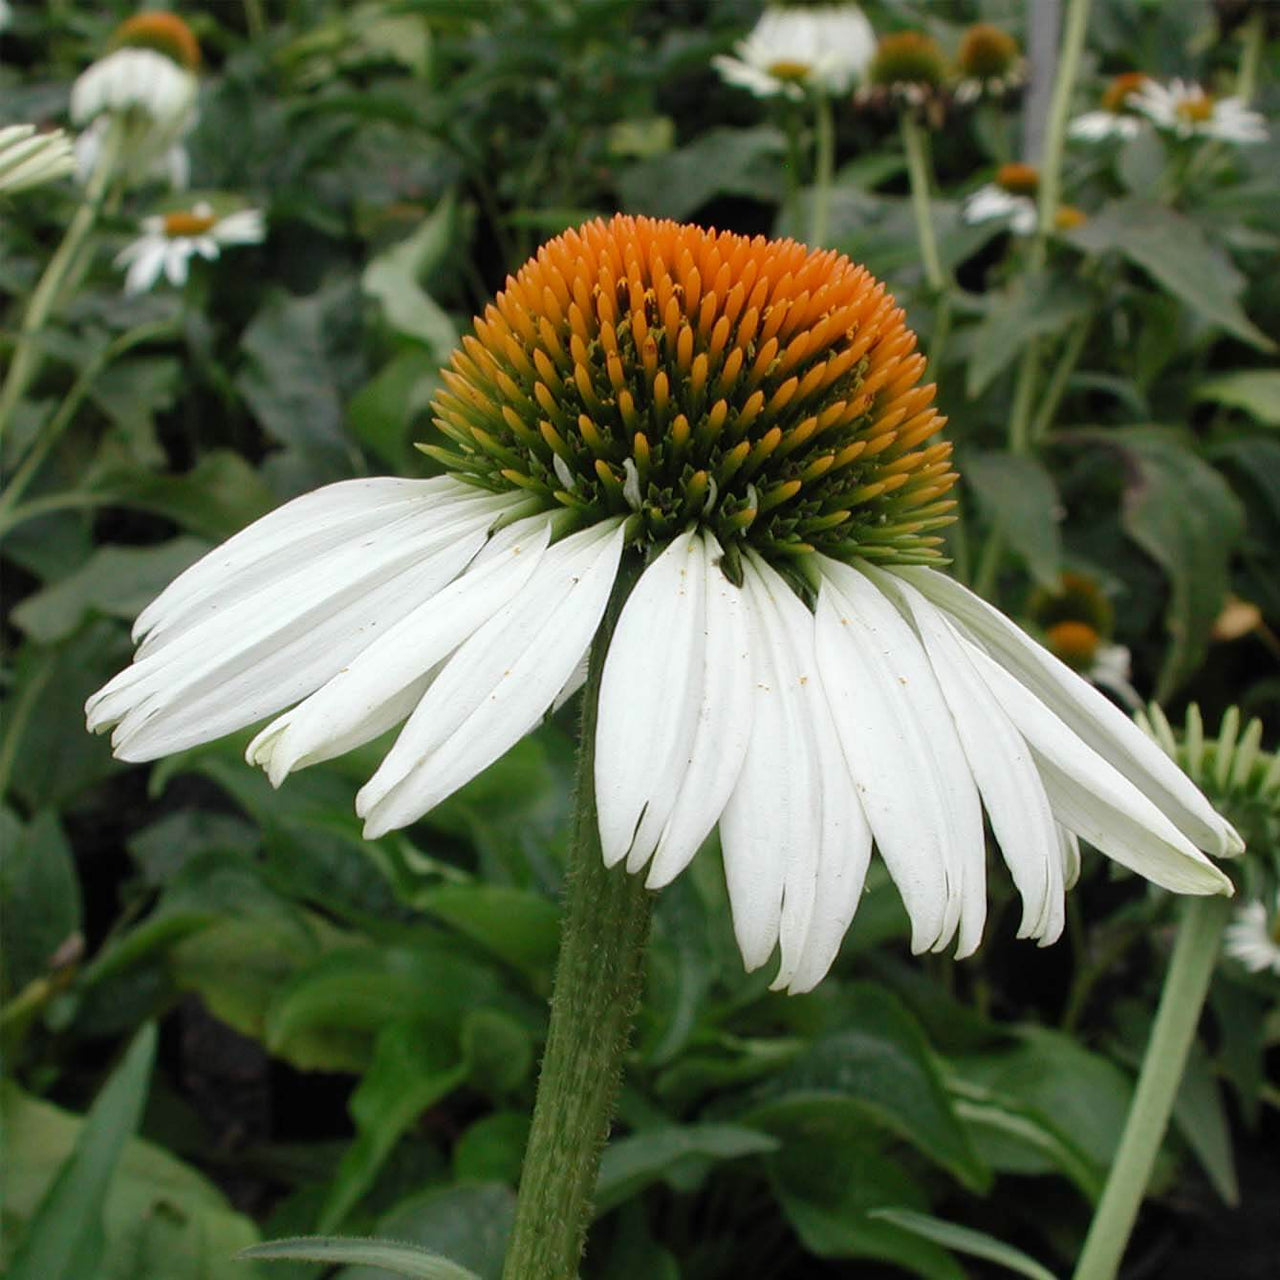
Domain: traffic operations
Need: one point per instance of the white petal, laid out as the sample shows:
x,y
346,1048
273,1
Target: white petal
x,y
1069,852
723,725
905,758
648,711
1086,711
1002,766
385,682
498,685
771,824
1094,799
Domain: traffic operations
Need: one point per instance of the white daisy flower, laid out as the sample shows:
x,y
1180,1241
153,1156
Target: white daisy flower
x,y
1117,115
739,423
170,240
1253,938
31,159
1185,109
140,97
1010,197
789,51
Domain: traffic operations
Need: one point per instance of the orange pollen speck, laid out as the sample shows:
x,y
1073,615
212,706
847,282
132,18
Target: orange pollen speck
x,y
1068,218
1115,97
186,223
1196,109
1076,643
162,31
1018,179
675,376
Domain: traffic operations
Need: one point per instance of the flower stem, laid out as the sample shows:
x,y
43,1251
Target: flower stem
x,y
1185,987
1055,136
599,976
1058,379
915,144
1253,36
26,353
823,170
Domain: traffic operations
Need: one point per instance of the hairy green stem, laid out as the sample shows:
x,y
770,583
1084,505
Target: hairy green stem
x,y
1253,36
26,354
1056,127
599,975
1185,987
915,144
823,170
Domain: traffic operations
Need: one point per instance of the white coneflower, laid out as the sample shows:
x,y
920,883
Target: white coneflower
x,y
790,51
908,69
30,159
1253,937
989,64
139,100
741,420
1117,115
1185,109
1011,198
170,240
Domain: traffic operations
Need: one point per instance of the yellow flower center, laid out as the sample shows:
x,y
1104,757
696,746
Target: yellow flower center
x,y
187,223
1196,109
679,376
1076,643
790,71
1115,97
162,31
986,52
1018,179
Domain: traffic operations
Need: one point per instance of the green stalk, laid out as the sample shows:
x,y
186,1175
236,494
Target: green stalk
x,y
1056,127
1185,987
823,170
599,976
1253,36
1057,386
915,144
26,354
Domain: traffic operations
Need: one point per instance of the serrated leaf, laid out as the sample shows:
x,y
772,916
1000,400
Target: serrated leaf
x,y
964,1240
1019,498
1179,258
333,1251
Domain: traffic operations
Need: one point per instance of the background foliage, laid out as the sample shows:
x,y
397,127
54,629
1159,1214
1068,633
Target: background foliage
x,y
227,1017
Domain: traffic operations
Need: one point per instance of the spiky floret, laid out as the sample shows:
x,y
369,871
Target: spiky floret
x,y
161,31
676,375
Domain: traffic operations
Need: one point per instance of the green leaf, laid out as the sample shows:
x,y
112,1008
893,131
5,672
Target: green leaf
x,y
386,1255
1256,391
39,897
65,1237
965,1240
881,1068
740,162
492,1149
117,582
1176,254
518,926
413,1067
1019,498
1183,514
1034,308
680,1151
392,278
382,411
1201,1119
161,1219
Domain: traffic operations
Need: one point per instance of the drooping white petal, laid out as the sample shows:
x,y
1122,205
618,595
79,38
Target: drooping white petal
x,y
647,713
1098,722
1069,850
723,725
770,830
1092,798
499,683
385,682
902,750
332,516
1002,766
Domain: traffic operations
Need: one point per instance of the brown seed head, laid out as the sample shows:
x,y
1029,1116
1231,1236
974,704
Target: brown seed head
x,y
162,31
986,52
